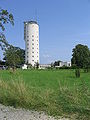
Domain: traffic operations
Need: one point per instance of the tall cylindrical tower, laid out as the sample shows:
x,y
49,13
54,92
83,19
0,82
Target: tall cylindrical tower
x,y
31,37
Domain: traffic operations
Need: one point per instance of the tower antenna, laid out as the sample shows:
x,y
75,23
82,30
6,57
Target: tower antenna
x,y
36,15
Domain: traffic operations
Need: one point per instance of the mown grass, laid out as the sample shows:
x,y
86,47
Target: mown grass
x,y
57,92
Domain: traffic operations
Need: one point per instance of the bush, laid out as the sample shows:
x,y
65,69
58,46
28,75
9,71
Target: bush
x,y
77,73
65,67
86,70
15,93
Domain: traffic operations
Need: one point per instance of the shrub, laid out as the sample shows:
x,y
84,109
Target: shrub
x,y
15,93
86,70
65,67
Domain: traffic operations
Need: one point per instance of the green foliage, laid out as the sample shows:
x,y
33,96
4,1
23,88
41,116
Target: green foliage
x,y
86,70
52,65
56,63
74,66
5,18
81,56
65,67
2,62
36,65
3,42
77,73
29,66
14,56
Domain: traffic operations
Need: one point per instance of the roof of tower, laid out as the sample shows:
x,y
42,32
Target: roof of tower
x,y
31,22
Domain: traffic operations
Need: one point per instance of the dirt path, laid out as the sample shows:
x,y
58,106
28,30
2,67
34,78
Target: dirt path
x,y
10,113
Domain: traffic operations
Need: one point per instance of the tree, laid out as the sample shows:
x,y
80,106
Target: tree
x,y
2,62
5,17
77,73
81,56
36,65
14,56
52,65
21,54
56,63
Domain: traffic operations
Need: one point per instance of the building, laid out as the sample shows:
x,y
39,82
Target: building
x,y
24,67
62,64
67,64
44,66
31,37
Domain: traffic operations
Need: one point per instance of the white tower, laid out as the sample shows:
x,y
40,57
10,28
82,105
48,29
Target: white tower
x,y
31,37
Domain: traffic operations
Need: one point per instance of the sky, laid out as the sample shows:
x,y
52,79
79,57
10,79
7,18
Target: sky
x,y
63,24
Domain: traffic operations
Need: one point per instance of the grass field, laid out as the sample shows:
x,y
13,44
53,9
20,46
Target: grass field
x,y
57,92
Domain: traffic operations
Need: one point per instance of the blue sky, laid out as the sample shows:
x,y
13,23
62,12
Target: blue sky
x,y
63,24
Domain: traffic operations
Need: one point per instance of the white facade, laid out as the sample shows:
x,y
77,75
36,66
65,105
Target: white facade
x,y
68,64
44,66
31,37
61,64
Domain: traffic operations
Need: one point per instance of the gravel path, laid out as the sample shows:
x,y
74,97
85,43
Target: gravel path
x,y
10,113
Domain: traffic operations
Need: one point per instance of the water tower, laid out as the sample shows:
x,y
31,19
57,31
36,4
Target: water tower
x,y
31,37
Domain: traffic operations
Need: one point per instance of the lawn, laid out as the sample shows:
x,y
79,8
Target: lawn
x,y
57,92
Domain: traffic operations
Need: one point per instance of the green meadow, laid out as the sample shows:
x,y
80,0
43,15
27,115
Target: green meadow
x,y
56,92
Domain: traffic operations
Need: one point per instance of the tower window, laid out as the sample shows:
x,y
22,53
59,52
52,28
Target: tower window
x,y
32,47
32,35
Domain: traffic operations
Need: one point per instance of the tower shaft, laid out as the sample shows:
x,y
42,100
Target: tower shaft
x,y
31,37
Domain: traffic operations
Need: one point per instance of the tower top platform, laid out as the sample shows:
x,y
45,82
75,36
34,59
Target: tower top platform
x,y
30,22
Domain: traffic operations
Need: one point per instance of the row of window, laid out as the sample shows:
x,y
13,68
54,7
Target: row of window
x,y
32,52
28,37
32,40
32,60
32,56
32,44
32,48
32,36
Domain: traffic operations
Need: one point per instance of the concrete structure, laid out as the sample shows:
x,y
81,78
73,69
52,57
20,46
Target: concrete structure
x,y
31,37
68,64
44,66
24,67
61,64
